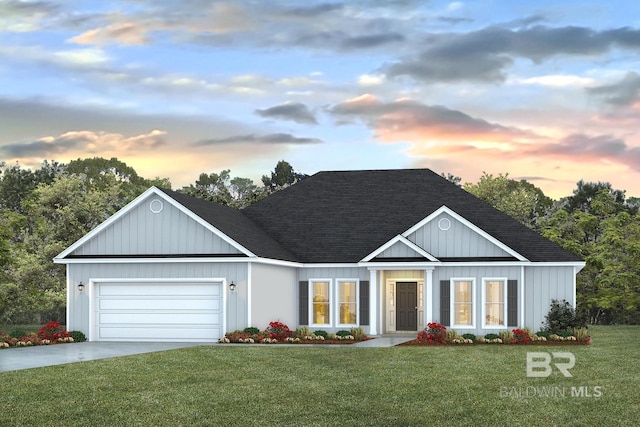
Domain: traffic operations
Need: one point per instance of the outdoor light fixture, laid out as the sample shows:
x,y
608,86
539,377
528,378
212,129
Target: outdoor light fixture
x,y
81,287
232,286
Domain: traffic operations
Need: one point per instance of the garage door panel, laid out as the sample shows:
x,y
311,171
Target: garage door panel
x,y
142,304
160,318
166,289
152,311
157,334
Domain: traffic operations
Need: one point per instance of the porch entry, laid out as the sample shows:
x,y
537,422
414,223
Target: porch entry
x,y
407,306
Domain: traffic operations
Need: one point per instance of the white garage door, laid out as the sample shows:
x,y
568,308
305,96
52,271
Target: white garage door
x,y
152,311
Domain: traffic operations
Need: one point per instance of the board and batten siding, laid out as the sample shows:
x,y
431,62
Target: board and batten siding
x,y
399,250
143,232
478,273
236,303
274,295
455,242
543,284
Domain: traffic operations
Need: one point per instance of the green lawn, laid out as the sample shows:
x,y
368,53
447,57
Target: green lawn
x,y
324,386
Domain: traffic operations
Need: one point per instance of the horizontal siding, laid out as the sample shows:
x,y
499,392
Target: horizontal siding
x,y
142,232
458,241
334,273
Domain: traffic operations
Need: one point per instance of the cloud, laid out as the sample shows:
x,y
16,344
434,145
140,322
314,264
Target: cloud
x,y
484,55
408,120
125,33
591,148
272,138
294,111
88,141
24,16
622,93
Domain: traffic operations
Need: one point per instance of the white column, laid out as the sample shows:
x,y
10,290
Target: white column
x,y
428,296
521,297
373,304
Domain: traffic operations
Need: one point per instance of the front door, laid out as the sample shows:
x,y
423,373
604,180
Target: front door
x,y
407,306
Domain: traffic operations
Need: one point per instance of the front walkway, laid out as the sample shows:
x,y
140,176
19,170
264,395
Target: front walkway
x,y
385,341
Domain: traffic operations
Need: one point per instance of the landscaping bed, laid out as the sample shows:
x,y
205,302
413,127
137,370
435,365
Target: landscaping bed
x,y
49,334
279,333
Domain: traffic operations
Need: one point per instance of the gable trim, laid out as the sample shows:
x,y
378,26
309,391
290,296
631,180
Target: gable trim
x,y
132,205
444,209
402,240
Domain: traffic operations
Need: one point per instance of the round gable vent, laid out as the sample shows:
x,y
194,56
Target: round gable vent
x,y
156,206
444,224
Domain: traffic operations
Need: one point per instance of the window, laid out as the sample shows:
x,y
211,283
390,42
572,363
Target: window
x,y
321,302
494,303
347,302
462,297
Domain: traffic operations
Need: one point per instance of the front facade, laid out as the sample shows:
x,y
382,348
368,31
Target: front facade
x,y
328,253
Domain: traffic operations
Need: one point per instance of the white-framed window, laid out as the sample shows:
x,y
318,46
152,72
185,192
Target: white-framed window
x,y
348,301
320,302
463,297
494,303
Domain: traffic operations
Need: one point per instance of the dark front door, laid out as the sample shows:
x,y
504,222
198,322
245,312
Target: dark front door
x,y
406,306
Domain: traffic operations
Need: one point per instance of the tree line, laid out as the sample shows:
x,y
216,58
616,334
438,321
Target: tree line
x,y
44,211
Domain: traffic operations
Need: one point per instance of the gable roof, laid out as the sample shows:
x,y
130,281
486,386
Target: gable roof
x,y
343,216
234,224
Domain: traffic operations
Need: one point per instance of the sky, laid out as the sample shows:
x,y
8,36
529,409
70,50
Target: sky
x,y
547,91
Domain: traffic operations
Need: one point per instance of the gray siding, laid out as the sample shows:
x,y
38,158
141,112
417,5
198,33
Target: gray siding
x,y
333,273
236,307
458,241
399,250
142,232
446,273
274,295
543,284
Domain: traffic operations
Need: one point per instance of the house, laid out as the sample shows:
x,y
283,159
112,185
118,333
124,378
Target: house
x,y
385,250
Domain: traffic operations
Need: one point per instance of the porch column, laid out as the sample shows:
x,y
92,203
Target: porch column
x,y
428,296
373,304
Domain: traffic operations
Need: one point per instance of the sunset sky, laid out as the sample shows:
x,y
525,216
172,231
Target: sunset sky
x,y
548,91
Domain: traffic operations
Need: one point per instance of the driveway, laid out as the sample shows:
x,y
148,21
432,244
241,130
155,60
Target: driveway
x,y
15,359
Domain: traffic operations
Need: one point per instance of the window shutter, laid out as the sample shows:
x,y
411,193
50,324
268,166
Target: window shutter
x,y
303,303
364,302
512,303
445,302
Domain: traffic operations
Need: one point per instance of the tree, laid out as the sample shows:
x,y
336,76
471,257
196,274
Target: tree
x,y
585,198
452,178
520,200
17,183
282,176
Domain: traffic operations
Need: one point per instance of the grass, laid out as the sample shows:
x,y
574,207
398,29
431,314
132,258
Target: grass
x,y
330,386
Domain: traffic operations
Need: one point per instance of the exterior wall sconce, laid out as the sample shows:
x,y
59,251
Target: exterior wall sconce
x,y
81,287
232,286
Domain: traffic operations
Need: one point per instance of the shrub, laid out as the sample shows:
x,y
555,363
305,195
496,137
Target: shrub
x,y
562,317
520,336
53,331
358,334
434,333
303,331
452,335
321,333
581,334
506,336
17,333
565,334
252,330
471,337
78,336
491,336
278,331
343,333
544,334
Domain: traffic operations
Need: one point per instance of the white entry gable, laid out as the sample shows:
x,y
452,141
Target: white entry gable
x,y
446,234
154,224
399,247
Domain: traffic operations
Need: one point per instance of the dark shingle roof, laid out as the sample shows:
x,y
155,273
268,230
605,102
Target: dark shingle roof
x,y
234,224
343,216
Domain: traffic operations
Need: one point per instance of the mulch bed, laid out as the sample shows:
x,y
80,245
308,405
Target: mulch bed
x,y
543,343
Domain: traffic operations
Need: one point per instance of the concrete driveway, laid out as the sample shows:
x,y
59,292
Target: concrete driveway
x,y
15,359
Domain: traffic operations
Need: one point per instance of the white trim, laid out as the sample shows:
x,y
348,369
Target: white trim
x,y
575,276
249,286
444,209
137,201
70,326
95,281
521,296
483,302
373,305
331,305
337,298
474,302
402,240
428,296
